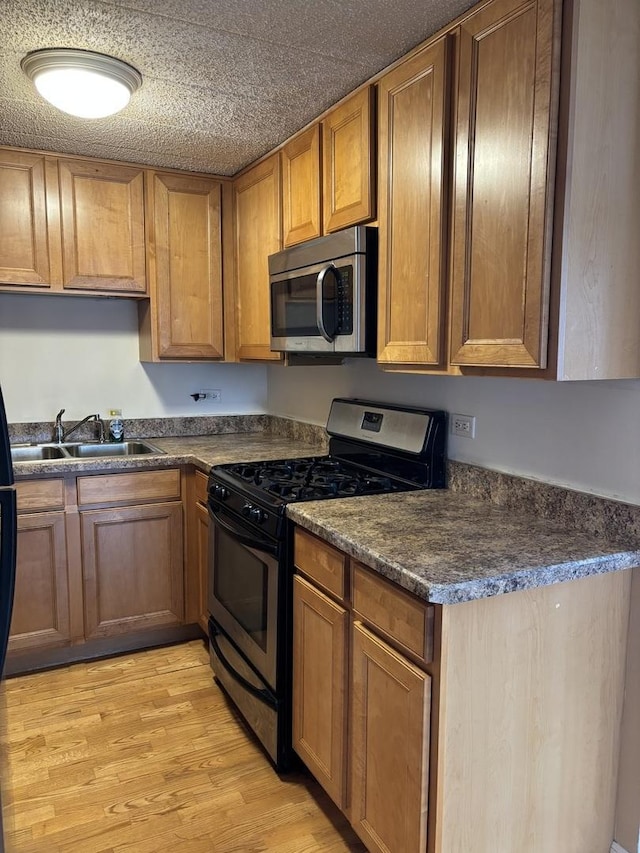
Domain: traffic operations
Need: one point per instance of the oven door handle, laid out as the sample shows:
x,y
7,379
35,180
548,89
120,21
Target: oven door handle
x,y
241,536
263,695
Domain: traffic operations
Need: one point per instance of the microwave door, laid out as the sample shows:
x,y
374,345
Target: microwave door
x,y
326,302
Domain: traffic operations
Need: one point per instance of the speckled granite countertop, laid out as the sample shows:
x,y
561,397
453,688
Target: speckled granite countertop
x,y
202,451
443,545
448,547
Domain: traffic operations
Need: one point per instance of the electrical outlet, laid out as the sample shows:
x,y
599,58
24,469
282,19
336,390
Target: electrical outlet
x,y
463,425
212,394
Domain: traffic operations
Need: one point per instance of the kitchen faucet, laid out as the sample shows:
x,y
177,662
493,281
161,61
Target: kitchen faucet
x,y
60,434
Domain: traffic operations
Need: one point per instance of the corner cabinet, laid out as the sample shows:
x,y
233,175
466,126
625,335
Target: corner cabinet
x,y
498,171
258,234
184,317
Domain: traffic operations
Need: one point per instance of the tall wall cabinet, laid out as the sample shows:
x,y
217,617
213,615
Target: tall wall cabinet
x,y
495,164
258,234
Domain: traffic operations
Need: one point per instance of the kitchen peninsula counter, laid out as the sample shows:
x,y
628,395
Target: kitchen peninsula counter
x,y
447,547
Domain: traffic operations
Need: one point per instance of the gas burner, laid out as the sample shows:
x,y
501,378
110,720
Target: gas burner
x,y
278,471
249,473
315,492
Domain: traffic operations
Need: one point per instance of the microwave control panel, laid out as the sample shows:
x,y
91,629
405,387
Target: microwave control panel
x,y
344,294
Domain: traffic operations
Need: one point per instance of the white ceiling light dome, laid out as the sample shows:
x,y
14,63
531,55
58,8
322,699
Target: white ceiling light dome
x,y
81,82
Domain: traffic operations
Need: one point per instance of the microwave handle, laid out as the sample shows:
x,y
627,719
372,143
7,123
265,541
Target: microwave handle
x,y
320,302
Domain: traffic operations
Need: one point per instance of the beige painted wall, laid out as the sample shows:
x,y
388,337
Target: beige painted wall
x,y
81,353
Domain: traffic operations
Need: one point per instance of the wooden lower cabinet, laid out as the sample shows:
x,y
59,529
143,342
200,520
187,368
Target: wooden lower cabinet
x,y
196,577
389,750
469,724
361,709
102,556
320,629
133,568
41,604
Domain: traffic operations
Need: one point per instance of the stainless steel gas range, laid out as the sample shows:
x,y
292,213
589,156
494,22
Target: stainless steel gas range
x,y
374,449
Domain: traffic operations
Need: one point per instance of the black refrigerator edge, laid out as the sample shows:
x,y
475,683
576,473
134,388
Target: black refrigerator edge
x,y
8,535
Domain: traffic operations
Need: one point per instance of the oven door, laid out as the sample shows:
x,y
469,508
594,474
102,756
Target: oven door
x,y
312,309
243,590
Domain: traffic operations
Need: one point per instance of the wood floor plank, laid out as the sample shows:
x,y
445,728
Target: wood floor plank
x,y
142,753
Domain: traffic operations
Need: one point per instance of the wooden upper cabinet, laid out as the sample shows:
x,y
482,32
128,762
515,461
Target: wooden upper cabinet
x,y
503,184
27,234
102,207
185,269
347,162
412,115
257,235
301,205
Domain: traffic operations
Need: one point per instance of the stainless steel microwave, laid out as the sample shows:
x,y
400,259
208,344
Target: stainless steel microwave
x,y
323,294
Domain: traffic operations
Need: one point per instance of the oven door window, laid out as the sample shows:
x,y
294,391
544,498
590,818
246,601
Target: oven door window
x,y
244,588
241,586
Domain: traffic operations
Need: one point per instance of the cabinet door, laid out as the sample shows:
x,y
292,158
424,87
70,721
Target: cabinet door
x,y
257,235
201,578
40,616
389,747
301,209
412,216
186,241
348,195
503,185
103,226
133,568
25,232
319,686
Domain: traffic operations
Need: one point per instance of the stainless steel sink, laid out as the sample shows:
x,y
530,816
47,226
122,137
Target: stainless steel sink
x,y
80,450
37,453
126,448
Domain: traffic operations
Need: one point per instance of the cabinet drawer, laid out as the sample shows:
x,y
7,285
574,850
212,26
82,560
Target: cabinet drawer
x,y
35,495
321,562
201,481
137,487
405,620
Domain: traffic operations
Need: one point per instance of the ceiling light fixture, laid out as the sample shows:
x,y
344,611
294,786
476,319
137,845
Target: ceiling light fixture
x,y
81,82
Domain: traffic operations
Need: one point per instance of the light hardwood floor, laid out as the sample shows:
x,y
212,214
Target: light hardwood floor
x,y
143,754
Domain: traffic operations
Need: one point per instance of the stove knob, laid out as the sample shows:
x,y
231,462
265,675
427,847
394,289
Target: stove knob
x,y
246,510
220,492
257,515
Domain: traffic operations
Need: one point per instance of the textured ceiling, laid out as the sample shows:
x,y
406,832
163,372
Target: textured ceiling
x,y
224,81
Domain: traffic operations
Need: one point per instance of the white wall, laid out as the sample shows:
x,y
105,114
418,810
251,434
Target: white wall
x,y
81,354
580,434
